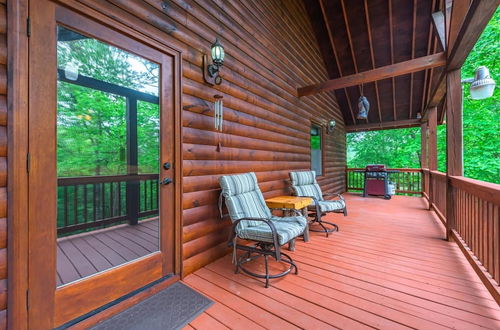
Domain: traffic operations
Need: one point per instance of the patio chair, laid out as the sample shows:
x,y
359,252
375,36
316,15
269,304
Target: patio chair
x,y
304,184
253,221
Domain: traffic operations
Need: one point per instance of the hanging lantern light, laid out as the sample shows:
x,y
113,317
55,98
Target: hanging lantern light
x,y
483,85
363,106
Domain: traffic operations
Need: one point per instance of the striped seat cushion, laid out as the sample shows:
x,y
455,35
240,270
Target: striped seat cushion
x,y
304,184
329,206
287,228
244,199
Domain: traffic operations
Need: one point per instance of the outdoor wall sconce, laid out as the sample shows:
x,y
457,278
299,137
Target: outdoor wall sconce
x,y
331,126
482,85
211,71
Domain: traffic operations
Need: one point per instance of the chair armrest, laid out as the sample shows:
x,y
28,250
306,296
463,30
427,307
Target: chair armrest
x,y
267,221
334,195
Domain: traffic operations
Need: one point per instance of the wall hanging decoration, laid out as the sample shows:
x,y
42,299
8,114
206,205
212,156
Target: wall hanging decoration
x,y
363,106
218,117
211,71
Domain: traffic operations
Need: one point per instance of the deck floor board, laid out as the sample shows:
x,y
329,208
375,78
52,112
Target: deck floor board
x,y
388,267
86,254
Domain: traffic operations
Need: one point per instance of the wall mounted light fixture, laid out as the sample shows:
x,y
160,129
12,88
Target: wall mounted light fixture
x,y
211,71
331,126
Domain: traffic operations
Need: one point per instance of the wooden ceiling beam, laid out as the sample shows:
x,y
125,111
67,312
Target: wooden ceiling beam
x,y
427,72
476,19
335,55
372,56
459,10
394,70
385,125
438,22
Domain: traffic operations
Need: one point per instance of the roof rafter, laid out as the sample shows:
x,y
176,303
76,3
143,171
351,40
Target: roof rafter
x,y
372,56
351,46
332,43
392,61
413,54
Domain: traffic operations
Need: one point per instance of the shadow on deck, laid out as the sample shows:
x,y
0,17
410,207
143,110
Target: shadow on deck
x,y
388,267
86,254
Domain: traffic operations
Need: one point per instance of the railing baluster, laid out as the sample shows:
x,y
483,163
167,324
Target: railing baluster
x,y
103,203
65,206
111,200
94,190
152,191
85,210
75,203
120,198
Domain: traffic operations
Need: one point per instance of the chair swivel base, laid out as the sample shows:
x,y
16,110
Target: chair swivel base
x,y
247,257
324,229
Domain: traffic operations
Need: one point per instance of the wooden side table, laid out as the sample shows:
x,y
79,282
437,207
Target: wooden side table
x,y
295,203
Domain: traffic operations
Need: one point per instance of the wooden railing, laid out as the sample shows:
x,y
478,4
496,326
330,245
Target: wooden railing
x,y
437,199
95,201
473,220
476,226
407,180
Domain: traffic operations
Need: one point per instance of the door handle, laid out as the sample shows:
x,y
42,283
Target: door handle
x,y
166,181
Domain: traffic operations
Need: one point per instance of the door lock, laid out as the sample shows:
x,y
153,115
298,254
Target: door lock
x,y
166,181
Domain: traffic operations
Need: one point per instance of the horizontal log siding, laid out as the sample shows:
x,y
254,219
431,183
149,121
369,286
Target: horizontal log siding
x,y
3,164
270,50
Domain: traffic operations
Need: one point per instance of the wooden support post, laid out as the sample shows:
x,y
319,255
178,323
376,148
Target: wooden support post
x,y
423,151
454,158
423,145
432,149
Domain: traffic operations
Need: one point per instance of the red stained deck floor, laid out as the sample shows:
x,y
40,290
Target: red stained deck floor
x,y
388,267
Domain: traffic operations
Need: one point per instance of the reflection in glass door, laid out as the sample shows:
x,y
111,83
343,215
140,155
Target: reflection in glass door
x,y
108,135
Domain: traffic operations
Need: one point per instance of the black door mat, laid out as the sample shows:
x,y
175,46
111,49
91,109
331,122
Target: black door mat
x,y
171,308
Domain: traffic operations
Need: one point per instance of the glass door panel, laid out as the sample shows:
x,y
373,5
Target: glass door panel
x,y
108,138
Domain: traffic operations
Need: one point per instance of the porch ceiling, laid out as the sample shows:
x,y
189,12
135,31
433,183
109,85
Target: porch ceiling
x,y
359,35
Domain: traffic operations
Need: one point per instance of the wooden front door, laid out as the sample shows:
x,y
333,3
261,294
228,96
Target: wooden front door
x,y
104,188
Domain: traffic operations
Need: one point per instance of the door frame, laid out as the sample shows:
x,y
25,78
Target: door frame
x,y
23,303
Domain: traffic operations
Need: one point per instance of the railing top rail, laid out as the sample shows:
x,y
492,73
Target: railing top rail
x,y
70,181
438,174
389,169
484,190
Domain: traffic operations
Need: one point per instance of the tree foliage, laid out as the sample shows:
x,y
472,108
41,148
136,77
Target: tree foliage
x,y
481,125
91,124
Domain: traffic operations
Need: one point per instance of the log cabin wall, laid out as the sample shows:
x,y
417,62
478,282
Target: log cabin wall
x,y
3,164
270,51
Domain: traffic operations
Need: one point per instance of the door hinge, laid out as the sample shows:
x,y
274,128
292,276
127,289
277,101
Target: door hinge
x,y
27,299
28,162
28,27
